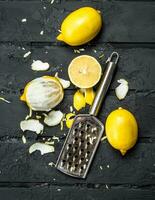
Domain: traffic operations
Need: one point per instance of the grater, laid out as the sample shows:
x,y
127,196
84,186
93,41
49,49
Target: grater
x,y
86,132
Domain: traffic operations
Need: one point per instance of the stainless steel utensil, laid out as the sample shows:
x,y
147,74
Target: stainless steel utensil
x,y
86,132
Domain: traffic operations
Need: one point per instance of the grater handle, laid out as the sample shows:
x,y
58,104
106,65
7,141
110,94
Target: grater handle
x,y
105,83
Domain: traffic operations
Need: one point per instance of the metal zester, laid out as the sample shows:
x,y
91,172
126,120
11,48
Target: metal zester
x,y
86,132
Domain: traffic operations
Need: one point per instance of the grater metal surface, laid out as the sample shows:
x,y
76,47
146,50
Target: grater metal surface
x,y
86,132
80,146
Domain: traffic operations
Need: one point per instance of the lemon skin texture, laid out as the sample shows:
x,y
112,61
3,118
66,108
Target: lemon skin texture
x,y
121,130
80,26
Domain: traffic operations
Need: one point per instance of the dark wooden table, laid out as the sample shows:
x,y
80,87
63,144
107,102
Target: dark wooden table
x,y
129,28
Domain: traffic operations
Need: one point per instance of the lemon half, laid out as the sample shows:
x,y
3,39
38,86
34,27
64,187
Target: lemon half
x,y
43,94
84,71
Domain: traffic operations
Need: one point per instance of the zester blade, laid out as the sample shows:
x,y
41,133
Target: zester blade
x,y
80,146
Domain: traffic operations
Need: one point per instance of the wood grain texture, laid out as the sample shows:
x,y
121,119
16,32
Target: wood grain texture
x,y
129,29
75,193
136,168
136,65
123,21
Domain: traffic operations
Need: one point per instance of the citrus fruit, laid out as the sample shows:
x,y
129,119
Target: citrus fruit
x,y
83,97
79,100
84,71
121,130
43,94
80,26
69,119
89,96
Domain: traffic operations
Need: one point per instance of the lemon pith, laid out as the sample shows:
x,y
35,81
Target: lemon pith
x,y
85,20
121,130
42,94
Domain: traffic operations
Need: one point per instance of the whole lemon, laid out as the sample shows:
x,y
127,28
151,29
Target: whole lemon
x,y
80,26
121,130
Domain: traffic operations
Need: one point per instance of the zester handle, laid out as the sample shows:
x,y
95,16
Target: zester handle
x,y
105,83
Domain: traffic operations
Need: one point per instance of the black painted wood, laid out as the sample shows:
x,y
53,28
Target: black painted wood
x,y
129,28
136,168
136,65
123,21
75,193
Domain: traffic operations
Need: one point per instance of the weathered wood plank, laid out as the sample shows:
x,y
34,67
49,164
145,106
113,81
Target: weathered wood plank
x,y
135,64
143,108
137,167
124,21
75,193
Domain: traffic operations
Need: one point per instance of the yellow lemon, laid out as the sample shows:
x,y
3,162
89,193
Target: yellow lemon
x,y
83,97
121,130
43,93
69,119
80,26
84,71
79,100
89,96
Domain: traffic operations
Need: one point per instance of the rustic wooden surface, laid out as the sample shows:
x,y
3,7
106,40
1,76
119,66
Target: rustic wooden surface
x,y
129,28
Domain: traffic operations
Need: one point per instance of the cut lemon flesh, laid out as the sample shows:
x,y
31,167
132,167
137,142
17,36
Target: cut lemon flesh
x,y
84,71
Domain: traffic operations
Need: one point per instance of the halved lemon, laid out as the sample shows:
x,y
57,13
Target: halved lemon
x,y
43,93
84,71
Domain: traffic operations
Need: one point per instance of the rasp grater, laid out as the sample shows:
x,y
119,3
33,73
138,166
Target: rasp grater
x,y
86,132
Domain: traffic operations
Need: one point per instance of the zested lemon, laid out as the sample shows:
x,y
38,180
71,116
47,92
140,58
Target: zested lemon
x,y
121,130
43,94
80,26
84,71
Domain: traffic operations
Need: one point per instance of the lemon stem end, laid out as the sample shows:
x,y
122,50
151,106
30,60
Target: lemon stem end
x,y
60,37
123,152
22,98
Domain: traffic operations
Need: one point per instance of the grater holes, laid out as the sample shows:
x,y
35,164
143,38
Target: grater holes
x,y
75,130
75,147
63,162
76,139
88,143
70,154
94,130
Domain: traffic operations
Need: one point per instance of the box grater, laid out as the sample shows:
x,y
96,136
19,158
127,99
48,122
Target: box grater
x,y
86,132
